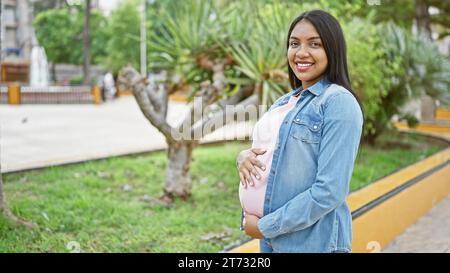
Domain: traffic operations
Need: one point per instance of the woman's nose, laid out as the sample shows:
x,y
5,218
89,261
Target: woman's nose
x,y
302,52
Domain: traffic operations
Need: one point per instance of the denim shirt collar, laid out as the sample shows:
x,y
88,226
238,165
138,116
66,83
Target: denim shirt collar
x,y
316,88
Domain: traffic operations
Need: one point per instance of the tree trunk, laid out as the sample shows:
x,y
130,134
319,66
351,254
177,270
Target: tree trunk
x,y
153,105
87,44
178,181
53,68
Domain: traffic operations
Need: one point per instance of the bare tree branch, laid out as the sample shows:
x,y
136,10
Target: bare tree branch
x,y
219,119
151,105
209,94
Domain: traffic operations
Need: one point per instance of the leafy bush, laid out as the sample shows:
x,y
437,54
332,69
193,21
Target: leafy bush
x,y
368,69
76,81
412,67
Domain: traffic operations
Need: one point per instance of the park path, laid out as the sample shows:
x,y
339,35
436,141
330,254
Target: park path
x,y
431,233
34,136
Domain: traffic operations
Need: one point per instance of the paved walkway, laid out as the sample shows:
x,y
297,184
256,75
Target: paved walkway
x,y
431,233
34,136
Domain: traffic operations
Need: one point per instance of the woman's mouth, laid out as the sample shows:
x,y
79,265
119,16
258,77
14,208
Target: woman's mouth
x,y
303,66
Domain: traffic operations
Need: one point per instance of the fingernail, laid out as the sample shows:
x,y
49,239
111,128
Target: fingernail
x,y
258,177
263,168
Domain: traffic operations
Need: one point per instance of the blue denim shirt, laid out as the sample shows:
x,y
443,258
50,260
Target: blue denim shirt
x,y
305,207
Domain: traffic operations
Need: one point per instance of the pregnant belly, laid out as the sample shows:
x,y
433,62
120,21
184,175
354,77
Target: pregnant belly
x,y
252,197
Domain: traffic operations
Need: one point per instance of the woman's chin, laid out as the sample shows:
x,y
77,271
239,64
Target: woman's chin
x,y
308,78
304,77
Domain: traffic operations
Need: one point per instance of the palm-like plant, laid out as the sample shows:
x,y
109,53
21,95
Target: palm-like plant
x,y
426,71
414,67
185,40
261,57
430,73
185,43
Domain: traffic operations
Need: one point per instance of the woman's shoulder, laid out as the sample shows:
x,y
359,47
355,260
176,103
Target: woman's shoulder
x,y
336,92
340,102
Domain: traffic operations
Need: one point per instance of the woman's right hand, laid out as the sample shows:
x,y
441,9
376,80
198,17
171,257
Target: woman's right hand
x,y
247,163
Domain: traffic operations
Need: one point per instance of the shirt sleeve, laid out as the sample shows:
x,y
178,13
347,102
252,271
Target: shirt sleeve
x,y
338,148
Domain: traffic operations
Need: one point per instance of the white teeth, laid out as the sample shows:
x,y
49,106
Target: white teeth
x,y
304,65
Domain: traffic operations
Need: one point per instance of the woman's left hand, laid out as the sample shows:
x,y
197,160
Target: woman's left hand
x,y
251,226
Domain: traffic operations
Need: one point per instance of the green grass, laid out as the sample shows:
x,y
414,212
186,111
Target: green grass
x,y
393,152
87,203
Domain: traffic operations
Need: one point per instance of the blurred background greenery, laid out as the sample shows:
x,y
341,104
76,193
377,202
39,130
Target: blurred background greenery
x,y
392,45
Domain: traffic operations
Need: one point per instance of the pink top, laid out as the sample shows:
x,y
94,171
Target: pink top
x,y
265,135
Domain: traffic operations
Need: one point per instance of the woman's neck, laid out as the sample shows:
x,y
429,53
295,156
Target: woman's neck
x,y
308,84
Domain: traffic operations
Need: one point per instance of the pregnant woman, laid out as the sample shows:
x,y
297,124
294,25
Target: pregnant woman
x,y
295,178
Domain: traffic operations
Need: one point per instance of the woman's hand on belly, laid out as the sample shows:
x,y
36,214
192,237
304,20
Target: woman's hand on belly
x,y
247,163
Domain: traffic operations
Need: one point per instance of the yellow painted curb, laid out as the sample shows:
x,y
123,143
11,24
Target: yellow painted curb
x,y
249,247
442,114
178,98
425,127
375,228
361,197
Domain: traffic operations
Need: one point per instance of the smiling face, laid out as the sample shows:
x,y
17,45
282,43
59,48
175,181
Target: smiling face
x,y
306,55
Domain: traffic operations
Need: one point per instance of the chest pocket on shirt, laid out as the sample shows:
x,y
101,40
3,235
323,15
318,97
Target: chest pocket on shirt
x,y
307,128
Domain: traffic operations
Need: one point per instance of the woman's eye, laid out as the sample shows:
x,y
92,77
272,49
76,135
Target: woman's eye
x,y
314,44
293,44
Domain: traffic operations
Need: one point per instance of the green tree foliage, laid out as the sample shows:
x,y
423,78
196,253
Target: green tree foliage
x,y
43,5
57,41
261,54
403,13
185,35
186,41
122,47
368,70
59,31
400,66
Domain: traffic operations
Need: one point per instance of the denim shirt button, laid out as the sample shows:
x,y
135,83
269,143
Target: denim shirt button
x,y
315,126
297,119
